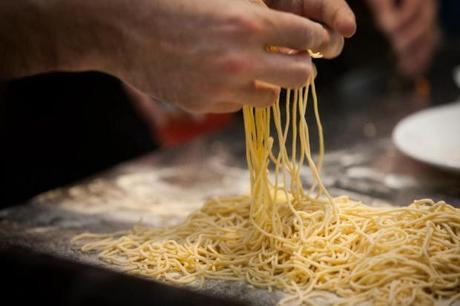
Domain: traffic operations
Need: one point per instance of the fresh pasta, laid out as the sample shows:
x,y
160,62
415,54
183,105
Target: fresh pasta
x,y
302,241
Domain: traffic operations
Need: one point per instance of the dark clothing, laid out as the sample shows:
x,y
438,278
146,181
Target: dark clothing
x,y
58,128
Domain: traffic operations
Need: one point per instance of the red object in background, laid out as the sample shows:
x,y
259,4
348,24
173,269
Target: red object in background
x,y
182,127
171,126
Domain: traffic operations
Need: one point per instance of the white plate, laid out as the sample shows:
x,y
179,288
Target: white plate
x,y
432,136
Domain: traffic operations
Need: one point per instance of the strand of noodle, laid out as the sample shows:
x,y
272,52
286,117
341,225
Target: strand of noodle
x,y
309,245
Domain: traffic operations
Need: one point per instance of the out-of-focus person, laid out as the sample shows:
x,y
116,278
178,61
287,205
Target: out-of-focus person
x,y
411,27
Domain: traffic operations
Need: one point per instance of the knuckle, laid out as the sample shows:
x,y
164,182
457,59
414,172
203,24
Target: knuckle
x,y
243,24
235,64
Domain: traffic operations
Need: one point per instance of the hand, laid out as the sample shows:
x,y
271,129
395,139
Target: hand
x,y
411,27
336,15
201,55
204,56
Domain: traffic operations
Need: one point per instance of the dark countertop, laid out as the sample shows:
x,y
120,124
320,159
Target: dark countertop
x,y
358,113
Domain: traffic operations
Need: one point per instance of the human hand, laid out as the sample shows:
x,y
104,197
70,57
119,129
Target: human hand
x,y
210,56
201,55
335,15
411,27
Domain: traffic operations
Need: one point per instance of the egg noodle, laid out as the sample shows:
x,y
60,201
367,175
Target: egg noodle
x,y
315,248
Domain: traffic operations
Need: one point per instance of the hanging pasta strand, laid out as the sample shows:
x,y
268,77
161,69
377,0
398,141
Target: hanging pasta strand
x,y
313,247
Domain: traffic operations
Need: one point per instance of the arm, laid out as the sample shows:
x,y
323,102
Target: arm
x,y
200,55
42,36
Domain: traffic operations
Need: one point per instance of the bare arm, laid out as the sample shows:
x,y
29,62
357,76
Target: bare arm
x,y
200,55
38,36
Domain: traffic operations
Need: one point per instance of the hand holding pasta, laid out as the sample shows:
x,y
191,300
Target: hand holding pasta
x,y
227,40
201,55
317,249
335,15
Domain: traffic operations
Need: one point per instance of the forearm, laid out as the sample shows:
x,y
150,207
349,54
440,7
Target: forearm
x,y
201,55
38,36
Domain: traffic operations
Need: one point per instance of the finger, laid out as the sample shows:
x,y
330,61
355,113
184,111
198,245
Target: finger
x,y
292,31
224,107
332,46
336,14
406,18
288,71
404,42
415,60
408,35
257,93
409,9
384,12
258,3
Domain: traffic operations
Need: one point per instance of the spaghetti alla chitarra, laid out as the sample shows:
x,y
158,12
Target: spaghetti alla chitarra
x,y
302,241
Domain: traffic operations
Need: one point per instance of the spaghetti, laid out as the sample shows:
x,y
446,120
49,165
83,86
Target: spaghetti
x,y
313,247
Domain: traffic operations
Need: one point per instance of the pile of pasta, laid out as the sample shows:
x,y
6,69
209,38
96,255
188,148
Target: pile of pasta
x,y
302,241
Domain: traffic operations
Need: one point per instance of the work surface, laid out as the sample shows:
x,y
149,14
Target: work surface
x,y
163,188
